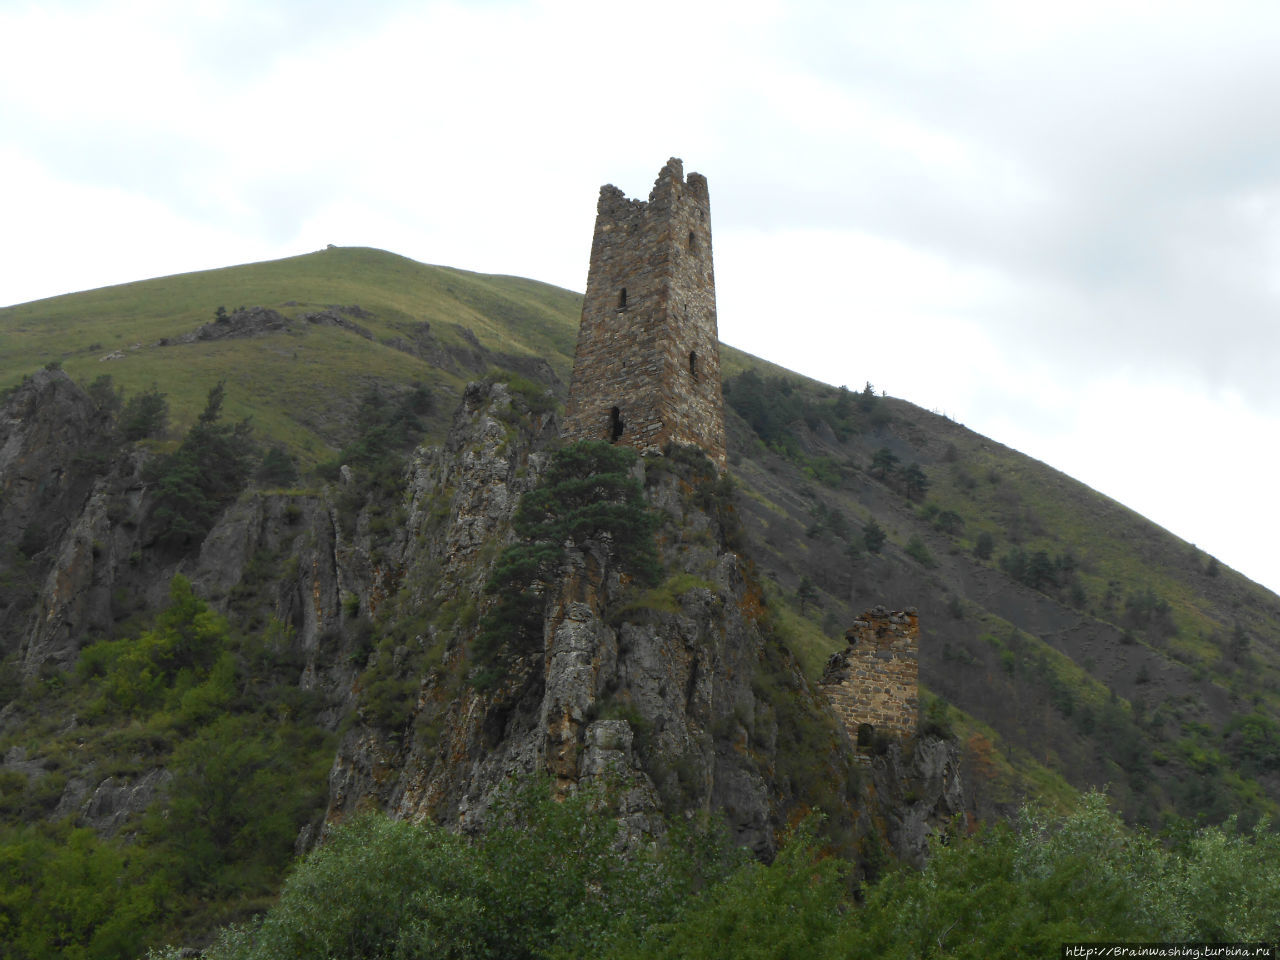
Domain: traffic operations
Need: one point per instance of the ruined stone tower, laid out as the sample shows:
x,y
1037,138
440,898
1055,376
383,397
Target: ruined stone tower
x,y
647,367
874,680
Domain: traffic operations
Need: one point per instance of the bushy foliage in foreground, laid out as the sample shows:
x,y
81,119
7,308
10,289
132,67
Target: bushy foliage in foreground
x,y
1022,890
549,882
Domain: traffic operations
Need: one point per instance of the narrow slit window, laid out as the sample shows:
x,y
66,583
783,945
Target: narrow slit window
x,y
693,364
693,241
615,425
622,299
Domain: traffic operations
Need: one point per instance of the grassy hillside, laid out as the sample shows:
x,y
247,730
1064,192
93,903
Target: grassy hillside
x,y
297,387
1090,641
1075,641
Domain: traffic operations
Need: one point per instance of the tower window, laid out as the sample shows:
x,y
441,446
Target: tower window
x,y
693,364
622,299
693,241
615,425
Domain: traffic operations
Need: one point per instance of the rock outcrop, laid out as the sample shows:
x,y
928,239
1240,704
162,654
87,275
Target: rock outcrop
x,y
918,791
51,453
654,691
677,698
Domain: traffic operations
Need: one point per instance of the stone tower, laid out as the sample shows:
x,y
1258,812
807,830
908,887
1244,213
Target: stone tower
x,y
647,367
875,679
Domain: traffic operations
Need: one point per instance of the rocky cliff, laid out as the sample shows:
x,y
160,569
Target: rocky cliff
x,y
51,453
657,691
677,697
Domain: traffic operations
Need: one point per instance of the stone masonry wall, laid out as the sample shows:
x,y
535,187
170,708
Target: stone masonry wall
x,y
874,679
647,367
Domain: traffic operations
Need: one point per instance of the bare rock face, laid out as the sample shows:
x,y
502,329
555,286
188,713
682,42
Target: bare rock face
x,y
45,425
116,802
285,559
919,791
680,680
50,438
245,322
457,746
651,693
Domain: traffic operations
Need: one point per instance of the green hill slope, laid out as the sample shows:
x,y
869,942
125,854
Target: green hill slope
x,y
299,388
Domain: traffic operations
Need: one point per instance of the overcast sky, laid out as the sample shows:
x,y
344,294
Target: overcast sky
x,y
1056,222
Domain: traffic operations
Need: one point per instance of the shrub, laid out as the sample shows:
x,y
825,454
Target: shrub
x,y
918,552
103,392
201,477
873,536
949,522
771,405
278,468
140,674
806,593
241,790
884,463
935,718
1146,610
144,415
914,481
65,893
546,880
793,907
587,493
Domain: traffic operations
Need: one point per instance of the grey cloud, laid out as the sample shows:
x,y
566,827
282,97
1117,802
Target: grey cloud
x,y
1125,245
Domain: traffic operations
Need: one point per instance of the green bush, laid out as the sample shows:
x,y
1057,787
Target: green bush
x,y
793,907
137,675
771,405
386,427
918,552
105,395
1024,890
935,718
242,788
546,880
195,482
144,415
249,770
873,536
278,468
587,493
387,695
914,481
64,893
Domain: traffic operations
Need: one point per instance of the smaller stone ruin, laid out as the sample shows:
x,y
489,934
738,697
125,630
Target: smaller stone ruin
x,y
873,680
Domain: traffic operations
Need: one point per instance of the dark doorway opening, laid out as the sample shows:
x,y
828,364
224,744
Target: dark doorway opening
x,y
615,425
